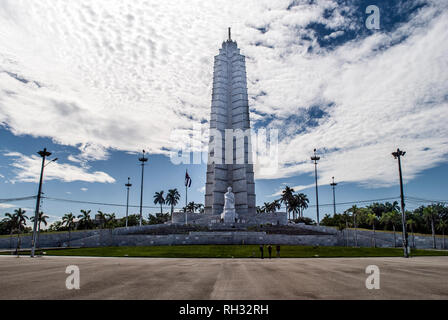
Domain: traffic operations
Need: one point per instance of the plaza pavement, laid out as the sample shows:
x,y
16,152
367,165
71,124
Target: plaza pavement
x,y
162,278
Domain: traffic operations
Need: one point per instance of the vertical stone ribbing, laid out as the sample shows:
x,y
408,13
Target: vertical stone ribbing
x,y
230,110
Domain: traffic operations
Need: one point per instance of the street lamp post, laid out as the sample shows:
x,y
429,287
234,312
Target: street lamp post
x,y
128,185
43,153
397,155
334,184
315,158
142,159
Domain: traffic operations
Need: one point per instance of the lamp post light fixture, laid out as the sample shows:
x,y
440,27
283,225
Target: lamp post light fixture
x,y
142,159
127,185
315,158
43,153
334,184
397,155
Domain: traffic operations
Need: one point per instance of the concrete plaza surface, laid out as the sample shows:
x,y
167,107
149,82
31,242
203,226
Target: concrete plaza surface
x,y
162,278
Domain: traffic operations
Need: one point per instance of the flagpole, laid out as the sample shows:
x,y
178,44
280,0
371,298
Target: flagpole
x,y
186,197
186,202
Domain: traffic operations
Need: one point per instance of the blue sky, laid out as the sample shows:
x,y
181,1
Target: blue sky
x,y
97,82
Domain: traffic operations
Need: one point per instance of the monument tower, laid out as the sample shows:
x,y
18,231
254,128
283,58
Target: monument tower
x,y
230,110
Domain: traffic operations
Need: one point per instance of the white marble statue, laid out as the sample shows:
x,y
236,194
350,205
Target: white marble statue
x,y
229,199
229,214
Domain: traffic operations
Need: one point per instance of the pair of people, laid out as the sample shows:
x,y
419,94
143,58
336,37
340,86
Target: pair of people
x,y
269,251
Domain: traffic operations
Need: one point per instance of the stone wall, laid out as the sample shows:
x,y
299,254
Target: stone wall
x,y
208,219
196,238
365,238
131,237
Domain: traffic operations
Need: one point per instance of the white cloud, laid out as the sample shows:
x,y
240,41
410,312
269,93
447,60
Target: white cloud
x,y
7,205
27,169
201,189
103,75
84,189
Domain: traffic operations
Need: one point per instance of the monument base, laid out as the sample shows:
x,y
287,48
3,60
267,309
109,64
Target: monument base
x,y
229,216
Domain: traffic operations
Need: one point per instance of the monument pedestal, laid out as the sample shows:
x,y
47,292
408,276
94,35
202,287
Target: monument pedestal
x,y
229,216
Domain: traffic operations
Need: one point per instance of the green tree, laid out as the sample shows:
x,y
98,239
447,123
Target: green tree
x,y
372,220
391,218
111,221
303,202
294,205
198,207
56,226
102,217
69,221
191,207
12,223
286,197
265,207
158,199
42,218
442,227
354,210
411,223
159,218
275,206
21,222
429,213
172,198
84,219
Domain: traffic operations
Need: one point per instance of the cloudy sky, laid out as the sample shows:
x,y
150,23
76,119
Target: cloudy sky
x,y
96,81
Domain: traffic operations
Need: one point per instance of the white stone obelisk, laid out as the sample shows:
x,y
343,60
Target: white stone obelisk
x,y
230,110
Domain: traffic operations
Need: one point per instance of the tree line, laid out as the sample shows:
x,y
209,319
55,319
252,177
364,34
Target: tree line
x,y
430,219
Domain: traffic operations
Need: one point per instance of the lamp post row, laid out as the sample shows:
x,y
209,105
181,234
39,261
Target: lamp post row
x,y
397,155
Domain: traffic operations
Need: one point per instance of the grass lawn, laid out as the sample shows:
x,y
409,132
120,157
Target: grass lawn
x,y
235,251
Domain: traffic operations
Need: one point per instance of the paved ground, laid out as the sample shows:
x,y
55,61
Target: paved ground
x,y
160,278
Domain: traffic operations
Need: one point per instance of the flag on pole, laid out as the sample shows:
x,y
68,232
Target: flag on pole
x,y
187,180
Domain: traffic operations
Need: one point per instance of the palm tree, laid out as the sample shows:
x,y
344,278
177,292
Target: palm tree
x,y
172,198
110,220
442,226
11,220
21,222
341,227
191,207
158,199
294,206
303,202
372,219
429,213
102,218
411,223
267,207
198,207
347,224
275,205
41,219
391,218
286,197
354,210
84,218
69,220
